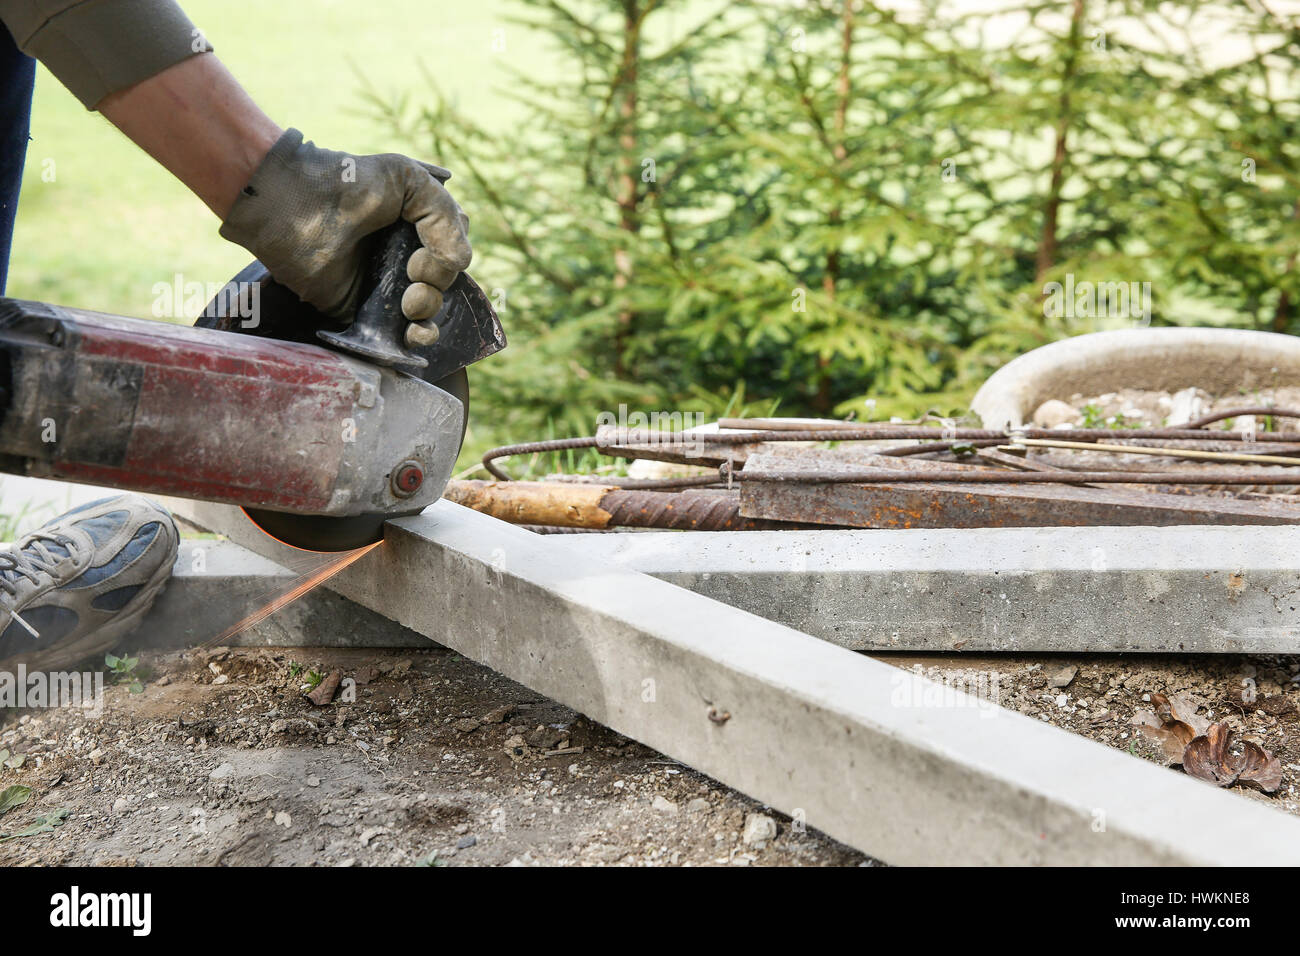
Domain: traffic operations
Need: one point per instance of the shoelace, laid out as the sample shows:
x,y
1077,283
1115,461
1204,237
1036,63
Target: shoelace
x,y
31,558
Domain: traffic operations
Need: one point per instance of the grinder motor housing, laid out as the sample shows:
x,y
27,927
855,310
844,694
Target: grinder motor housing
x,y
197,413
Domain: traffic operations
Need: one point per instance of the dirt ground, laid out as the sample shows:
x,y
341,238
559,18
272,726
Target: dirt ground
x,y
1097,696
220,760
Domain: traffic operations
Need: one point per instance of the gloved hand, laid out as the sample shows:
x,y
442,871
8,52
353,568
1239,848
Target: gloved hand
x,y
306,213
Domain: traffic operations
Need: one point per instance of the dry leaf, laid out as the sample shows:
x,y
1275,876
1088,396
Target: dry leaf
x,y
1181,707
1172,743
1171,726
325,690
1206,757
1212,757
1259,768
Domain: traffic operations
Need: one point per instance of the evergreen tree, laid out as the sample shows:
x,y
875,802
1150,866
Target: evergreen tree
x,y
584,207
836,204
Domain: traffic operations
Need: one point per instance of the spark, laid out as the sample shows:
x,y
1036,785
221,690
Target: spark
x,y
308,583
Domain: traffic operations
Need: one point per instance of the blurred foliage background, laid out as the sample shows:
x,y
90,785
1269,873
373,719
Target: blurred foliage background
x,y
831,208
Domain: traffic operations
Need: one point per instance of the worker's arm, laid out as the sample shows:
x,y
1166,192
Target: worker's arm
x,y
305,212
141,64
198,122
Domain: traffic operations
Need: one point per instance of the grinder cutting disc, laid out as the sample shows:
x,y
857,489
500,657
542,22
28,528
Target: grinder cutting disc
x,y
253,303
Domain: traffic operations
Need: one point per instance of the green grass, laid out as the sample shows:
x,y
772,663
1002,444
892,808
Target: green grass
x,y
112,223
17,521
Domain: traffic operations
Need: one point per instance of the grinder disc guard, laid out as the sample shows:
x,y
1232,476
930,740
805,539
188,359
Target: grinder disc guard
x,y
253,303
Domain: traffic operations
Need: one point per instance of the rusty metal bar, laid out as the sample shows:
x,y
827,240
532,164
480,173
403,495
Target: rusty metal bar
x,y
683,511
892,475
1239,412
707,448
598,507
1190,454
728,451
1017,462
943,495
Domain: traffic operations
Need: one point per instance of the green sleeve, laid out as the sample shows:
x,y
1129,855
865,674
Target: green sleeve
x,y
96,47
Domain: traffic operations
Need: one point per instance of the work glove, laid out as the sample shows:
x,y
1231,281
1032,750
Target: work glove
x,y
306,214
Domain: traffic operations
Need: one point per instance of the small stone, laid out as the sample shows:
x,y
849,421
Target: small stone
x,y
498,714
759,829
283,819
515,746
222,772
1053,413
221,679
1187,405
313,781
97,756
544,738
1062,677
121,805
698,805
465,842
663,805
279,726
467,725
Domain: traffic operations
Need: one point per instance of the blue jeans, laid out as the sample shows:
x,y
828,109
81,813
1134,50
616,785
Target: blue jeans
x,y
17,79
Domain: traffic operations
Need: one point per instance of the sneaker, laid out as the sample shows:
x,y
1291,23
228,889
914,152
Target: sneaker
x,y
77,585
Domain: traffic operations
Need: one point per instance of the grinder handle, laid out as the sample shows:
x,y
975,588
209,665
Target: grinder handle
x,y
378,331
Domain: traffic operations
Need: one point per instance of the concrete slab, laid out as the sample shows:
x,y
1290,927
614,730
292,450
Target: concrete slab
x,y
1185,589
216,583
898,766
